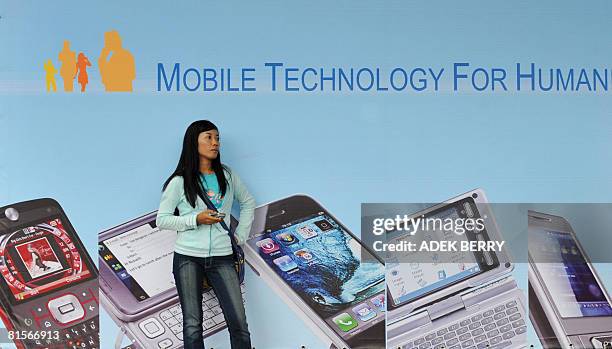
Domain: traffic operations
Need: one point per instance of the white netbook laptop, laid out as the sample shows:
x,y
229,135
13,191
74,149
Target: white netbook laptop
x,y
471,301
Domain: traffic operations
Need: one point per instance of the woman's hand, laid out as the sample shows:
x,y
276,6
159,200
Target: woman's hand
x,y
205,217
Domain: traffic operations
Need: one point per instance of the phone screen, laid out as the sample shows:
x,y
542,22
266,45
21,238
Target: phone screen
x,y
142,259
323,265
409,280
39,259
566,274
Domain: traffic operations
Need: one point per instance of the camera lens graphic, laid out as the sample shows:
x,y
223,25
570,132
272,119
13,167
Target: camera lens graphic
x,y
11,214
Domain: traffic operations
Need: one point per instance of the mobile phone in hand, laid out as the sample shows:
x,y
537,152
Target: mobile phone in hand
x,y
218,214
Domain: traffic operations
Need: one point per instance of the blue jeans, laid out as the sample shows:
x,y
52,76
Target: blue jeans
x,y
189,273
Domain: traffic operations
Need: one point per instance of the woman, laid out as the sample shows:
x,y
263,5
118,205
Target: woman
x,y
82,64
203,248
36,257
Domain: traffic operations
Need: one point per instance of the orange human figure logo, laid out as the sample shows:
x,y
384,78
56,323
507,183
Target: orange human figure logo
x,y
82,64
117,67
68,68
50,72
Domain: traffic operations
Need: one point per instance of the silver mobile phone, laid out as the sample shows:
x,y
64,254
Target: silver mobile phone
x,y
217,214
137,287
573,302
321,270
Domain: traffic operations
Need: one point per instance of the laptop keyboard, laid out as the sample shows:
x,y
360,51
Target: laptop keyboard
x,y
491,328
172,318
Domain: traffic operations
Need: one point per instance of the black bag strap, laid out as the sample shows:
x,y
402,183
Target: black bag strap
x,y
212,207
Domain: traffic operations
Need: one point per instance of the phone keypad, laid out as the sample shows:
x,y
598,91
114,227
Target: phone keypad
x,y
85,335
84,304
167,327
66,309
71,319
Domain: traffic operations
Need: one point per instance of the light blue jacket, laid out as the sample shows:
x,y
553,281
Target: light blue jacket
x,y
205,240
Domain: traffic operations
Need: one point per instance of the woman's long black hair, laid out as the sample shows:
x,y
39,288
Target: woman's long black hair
x,y
189,164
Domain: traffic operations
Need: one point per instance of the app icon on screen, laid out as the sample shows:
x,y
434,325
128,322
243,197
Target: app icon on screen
x,y
305,255
345,322
117,266
123,275
379,302
364,312
307,232
285,263
267,245
286,238
324,225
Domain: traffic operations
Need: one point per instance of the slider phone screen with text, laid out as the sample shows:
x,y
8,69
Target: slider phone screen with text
x,y
323,265
142,259
567,275
40,259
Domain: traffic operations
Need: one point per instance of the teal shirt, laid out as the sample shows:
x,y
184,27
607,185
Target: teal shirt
x,y
211,185
205,240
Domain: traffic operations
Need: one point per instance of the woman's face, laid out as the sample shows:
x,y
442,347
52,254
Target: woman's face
x,y
208,144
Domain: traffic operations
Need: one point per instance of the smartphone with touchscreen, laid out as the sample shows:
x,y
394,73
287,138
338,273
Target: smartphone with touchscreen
x,y
323,271
48,282
427,273
567,288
